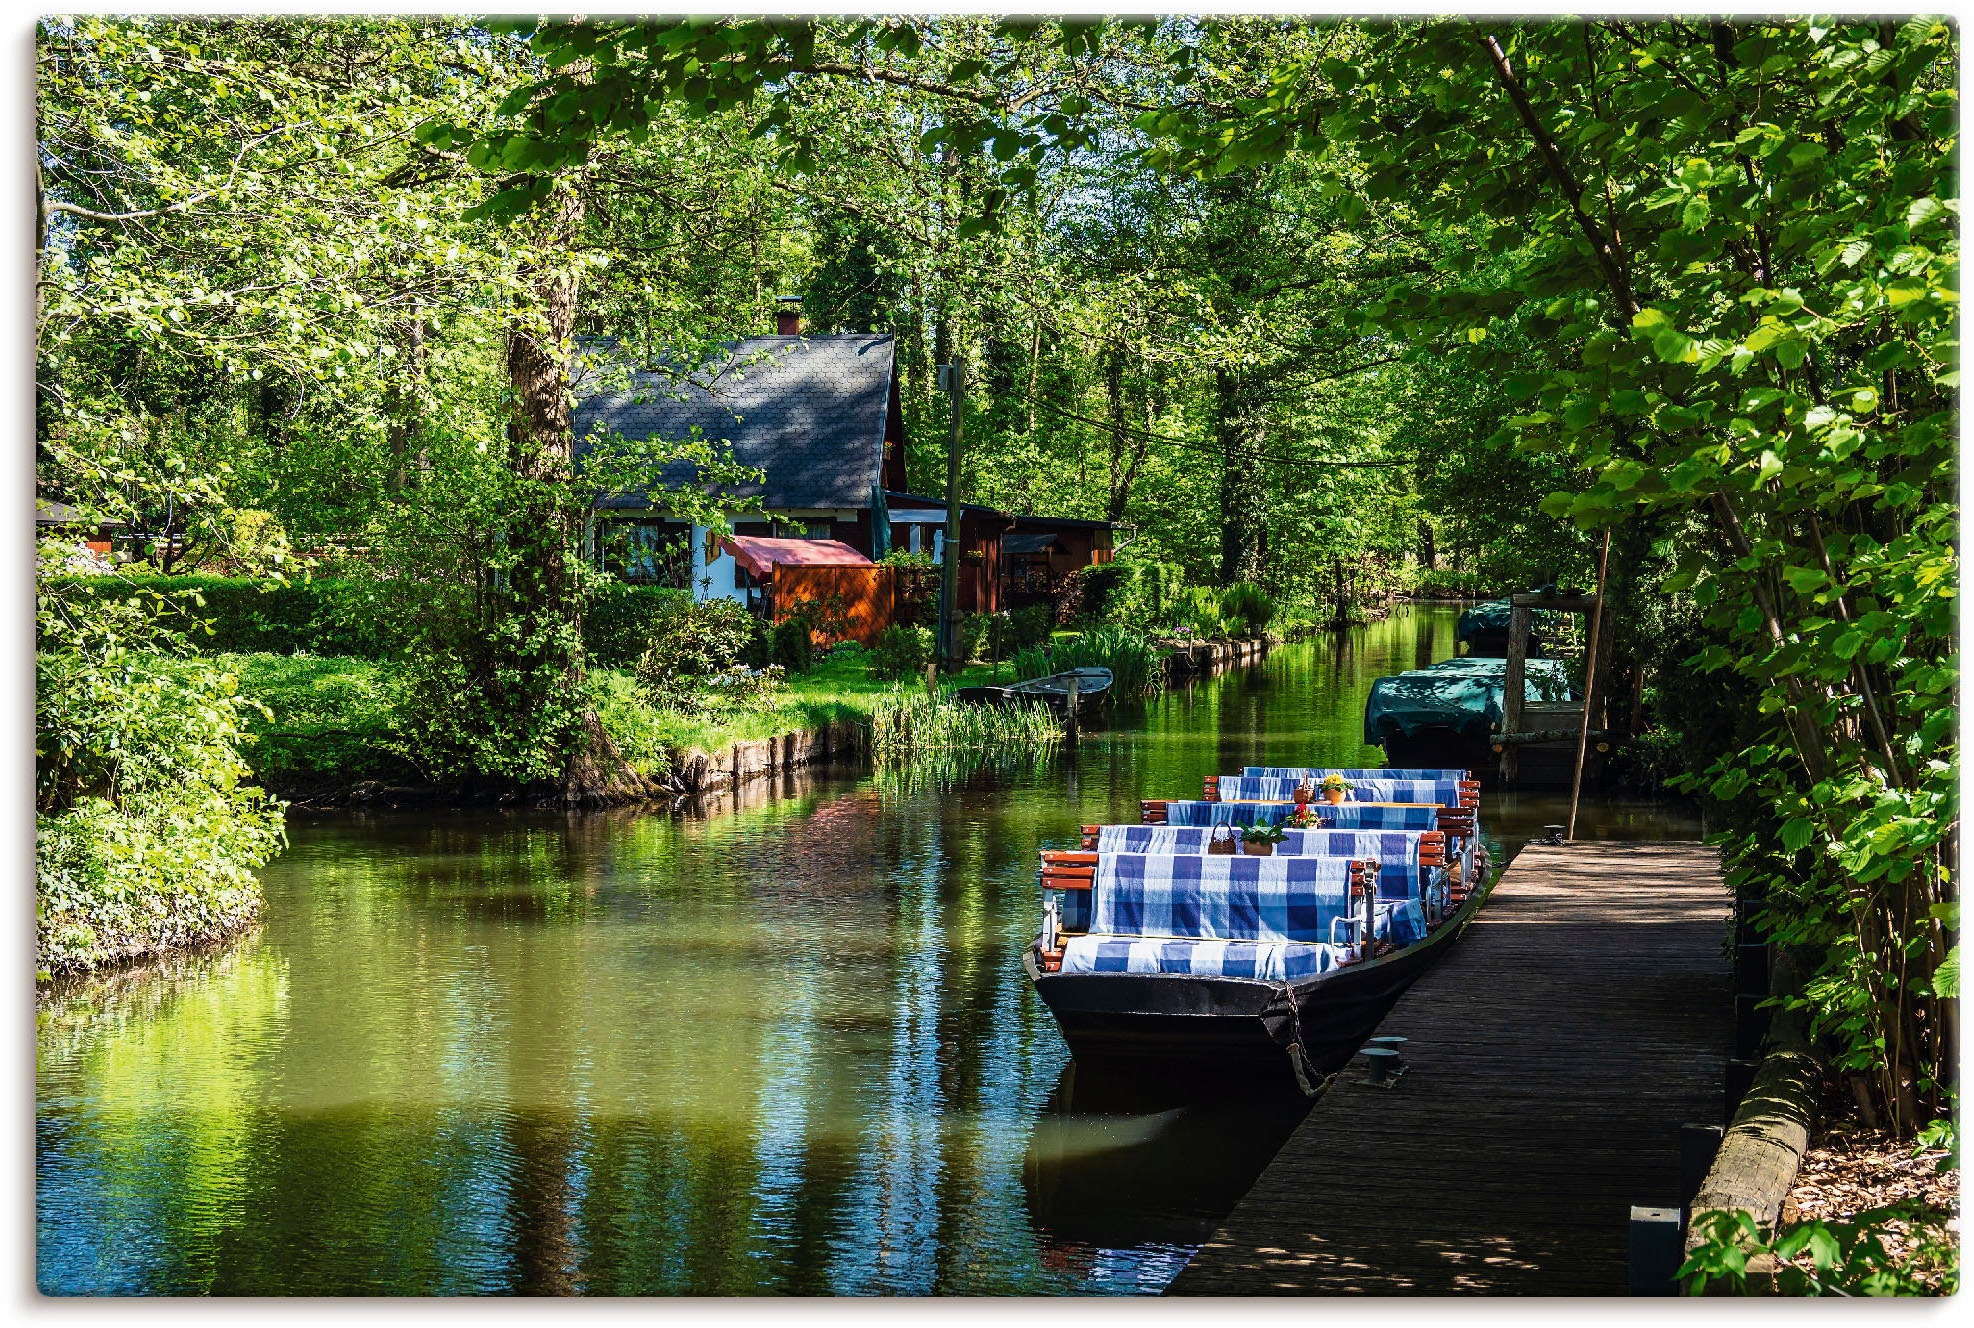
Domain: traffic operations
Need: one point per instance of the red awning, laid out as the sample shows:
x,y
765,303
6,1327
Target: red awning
x,y
758,554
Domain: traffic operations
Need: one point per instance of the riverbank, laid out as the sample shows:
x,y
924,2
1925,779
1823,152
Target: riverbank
x,y
329,737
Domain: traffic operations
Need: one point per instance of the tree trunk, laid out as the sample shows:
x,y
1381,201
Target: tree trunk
x,y
544,591
403,396
1243,510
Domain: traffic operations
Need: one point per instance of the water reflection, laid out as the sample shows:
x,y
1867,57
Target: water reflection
x,y
777,1044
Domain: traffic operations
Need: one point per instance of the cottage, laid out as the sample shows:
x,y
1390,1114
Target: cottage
x,y
820,417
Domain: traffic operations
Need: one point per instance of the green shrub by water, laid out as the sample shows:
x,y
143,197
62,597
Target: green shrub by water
x,y
147,829
1132,592
1247,608
693,641
622,619
1199,612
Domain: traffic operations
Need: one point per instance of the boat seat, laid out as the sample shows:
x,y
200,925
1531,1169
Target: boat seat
x,y
1409,860
1445,793
1273,961
1232,897
1317,772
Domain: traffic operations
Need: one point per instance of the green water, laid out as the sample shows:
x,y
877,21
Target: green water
x,y
780,1047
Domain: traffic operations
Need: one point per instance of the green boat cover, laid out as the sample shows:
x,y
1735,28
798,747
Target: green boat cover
x,y
1490,618
1462,694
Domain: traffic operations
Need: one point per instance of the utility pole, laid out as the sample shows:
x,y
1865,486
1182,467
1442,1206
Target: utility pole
x,y
952,381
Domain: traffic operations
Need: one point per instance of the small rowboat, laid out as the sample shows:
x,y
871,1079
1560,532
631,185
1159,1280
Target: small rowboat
x,y
1091,684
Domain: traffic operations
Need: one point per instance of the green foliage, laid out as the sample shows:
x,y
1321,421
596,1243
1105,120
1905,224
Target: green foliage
x,y
147,831
1248,608
918,726
621,620
1842,1258
249,615
1137,593
692,641
996,636
1264,832
1199,613
322,721
970,631
793,645
902,652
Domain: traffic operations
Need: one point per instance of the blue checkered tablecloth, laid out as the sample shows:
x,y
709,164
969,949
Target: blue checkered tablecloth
x,y
1438,775
1235,788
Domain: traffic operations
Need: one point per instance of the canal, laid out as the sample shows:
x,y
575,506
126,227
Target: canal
x,y
778,1045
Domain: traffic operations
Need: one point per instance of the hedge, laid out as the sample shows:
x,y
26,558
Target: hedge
x,y
328,617
1133,593
345,616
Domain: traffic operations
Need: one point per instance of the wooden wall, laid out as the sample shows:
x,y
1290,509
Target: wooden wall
x,y
869,596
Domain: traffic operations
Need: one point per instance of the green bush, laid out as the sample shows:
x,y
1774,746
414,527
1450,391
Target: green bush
x,y
1247,607
1132,592
794,646
902,652
1198,610
147,832
692,641
622,619
970,634
331,719
340,616
352,615
1029,627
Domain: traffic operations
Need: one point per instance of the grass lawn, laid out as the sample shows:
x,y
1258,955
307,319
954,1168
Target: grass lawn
x,y
835,689
332,717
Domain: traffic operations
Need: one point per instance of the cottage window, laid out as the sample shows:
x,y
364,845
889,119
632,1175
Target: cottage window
x,y
652,553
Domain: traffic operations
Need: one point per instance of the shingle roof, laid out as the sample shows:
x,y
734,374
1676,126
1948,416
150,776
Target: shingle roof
x,y
808,411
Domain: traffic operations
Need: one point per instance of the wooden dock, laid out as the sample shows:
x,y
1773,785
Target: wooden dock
x,y
1553,1056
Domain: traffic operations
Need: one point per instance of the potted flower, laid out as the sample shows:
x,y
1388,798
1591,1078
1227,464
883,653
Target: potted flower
x,y
1259,840
1302,818
1334,787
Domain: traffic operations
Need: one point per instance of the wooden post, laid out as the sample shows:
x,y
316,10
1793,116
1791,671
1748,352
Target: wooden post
x,y
1590,655
1070,732
1655,1253
1699,1143
952,379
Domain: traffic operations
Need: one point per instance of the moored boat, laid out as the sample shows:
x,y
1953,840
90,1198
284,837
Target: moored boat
x,y
1088,685
1166,942
1452,710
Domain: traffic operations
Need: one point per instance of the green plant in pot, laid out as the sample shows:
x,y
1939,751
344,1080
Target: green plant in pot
x,y
1334,787
1259,840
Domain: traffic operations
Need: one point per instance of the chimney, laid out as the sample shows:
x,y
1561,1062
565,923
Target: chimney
x,y
788,317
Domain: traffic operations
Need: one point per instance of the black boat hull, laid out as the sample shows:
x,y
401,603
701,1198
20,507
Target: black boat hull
x,y
1236,1022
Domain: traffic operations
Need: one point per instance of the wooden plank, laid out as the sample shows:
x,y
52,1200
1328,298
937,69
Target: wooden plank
x,y
1555,1055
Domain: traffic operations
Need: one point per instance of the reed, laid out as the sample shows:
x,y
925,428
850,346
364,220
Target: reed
x,y
1135,661
917,727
